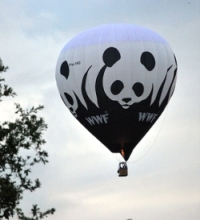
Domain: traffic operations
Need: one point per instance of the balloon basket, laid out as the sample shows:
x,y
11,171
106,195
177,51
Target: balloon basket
x,y
123,169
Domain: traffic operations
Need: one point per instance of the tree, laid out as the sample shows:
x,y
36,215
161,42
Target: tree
x,y
17,140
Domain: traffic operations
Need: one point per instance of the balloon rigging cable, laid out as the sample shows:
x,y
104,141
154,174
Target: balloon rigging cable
x,y
155,139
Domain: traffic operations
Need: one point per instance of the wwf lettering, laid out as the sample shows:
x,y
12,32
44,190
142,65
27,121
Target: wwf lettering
x,y
97,119
74,64
147,116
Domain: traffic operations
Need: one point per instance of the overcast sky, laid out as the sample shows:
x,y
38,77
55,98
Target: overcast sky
x,y
81,180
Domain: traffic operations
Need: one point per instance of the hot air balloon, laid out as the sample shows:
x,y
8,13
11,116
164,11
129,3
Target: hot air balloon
x,y
116,80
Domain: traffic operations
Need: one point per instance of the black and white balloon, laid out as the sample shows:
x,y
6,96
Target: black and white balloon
x,y
116,80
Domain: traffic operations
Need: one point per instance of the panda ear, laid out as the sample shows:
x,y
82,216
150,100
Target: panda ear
x,y
110,56
64,69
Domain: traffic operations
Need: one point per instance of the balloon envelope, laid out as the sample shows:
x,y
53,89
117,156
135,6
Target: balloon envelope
x,y
116,80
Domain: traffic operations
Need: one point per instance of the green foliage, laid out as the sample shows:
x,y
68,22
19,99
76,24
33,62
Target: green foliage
x,y
5,90
18,140
35,212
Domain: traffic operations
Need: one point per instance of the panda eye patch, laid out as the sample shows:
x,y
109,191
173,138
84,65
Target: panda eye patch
x,y
116,87
148,60
69,98
138,88
64,69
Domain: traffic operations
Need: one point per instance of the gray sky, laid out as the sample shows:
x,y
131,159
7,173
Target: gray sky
x,y
81,179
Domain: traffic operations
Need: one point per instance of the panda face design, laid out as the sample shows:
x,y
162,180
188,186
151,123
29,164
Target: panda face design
x,y
68,95
71,103
128,74
129,84
125,94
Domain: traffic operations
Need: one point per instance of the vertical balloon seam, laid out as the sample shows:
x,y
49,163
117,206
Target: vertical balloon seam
x,y
175,78
130,59
156,85
82,46
114,44
101,33
75,74
143,69
99,58
93,95
149,34
171,88
157,74
169,61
